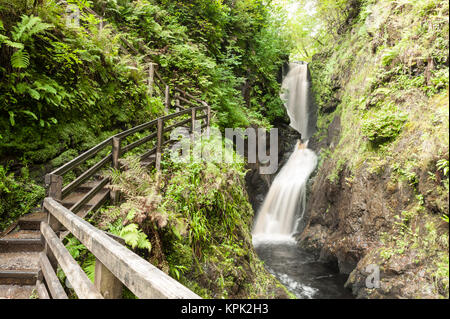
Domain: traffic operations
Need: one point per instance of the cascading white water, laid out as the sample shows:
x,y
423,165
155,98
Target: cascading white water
x,y
285,202
284,206
295,92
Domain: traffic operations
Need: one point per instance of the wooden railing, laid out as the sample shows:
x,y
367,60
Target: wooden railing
x,y
115,265
55,180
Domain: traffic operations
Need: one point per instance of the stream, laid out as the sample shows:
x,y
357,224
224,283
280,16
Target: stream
x,y
300,271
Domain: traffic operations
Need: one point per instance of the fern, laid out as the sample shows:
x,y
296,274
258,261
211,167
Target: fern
x,y
12,44
29,26
89,267
8,42
20,59
74,247
135,237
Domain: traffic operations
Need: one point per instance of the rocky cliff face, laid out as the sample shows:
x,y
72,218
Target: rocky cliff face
x,y
379,199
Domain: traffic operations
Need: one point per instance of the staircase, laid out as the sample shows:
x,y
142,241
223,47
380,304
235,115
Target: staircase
x,y
28,268
27,265
19,257
20,248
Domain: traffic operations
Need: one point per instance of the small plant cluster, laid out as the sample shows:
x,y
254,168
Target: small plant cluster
x,y
382,126
18,196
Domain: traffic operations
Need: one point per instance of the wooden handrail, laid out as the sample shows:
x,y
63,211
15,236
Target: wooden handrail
x,y
141,277
139,142
136,129
80,282
53,284
115,264
81,158
86,198
85,176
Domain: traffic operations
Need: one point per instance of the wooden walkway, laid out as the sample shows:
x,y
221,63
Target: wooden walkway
x,y
32,251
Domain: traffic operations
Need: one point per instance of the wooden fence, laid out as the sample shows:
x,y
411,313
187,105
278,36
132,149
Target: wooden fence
x,y
116,265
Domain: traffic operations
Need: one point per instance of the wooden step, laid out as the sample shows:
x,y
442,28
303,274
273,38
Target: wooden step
x,y
19,233
74,197
12,245
32,221
150,160
68,205
27,261
16,291
87,186
18,277
19,268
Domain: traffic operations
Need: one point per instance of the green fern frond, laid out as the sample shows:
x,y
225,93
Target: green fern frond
x,y
20,59
135,237
16,45
29,26
143,242
89,267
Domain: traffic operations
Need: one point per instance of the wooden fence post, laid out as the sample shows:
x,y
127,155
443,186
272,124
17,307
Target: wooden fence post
x,y
116,148
151,78
54,183
177,102
208,120
167,99
193,117
159,144
106,283
100,25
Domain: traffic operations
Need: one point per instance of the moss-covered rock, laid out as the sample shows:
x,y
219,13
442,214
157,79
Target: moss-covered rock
x,y
380,197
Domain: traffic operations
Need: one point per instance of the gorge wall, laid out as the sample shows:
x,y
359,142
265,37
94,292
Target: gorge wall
x,y
380,193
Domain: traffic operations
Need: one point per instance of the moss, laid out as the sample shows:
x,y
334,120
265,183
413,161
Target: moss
x,y
18,196
390,88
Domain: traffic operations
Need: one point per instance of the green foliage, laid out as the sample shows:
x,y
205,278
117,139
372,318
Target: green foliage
x,y
79,252
27,27
382,125
198,217
20,60
55,76
443,166
313,24
18,196
134,237
214,48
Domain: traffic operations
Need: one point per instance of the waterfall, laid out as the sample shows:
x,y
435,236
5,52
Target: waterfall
x,y
285,202
295,92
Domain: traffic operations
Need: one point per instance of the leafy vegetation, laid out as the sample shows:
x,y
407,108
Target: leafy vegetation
x,y
64,88
383,72
197,218
382,125
18,196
